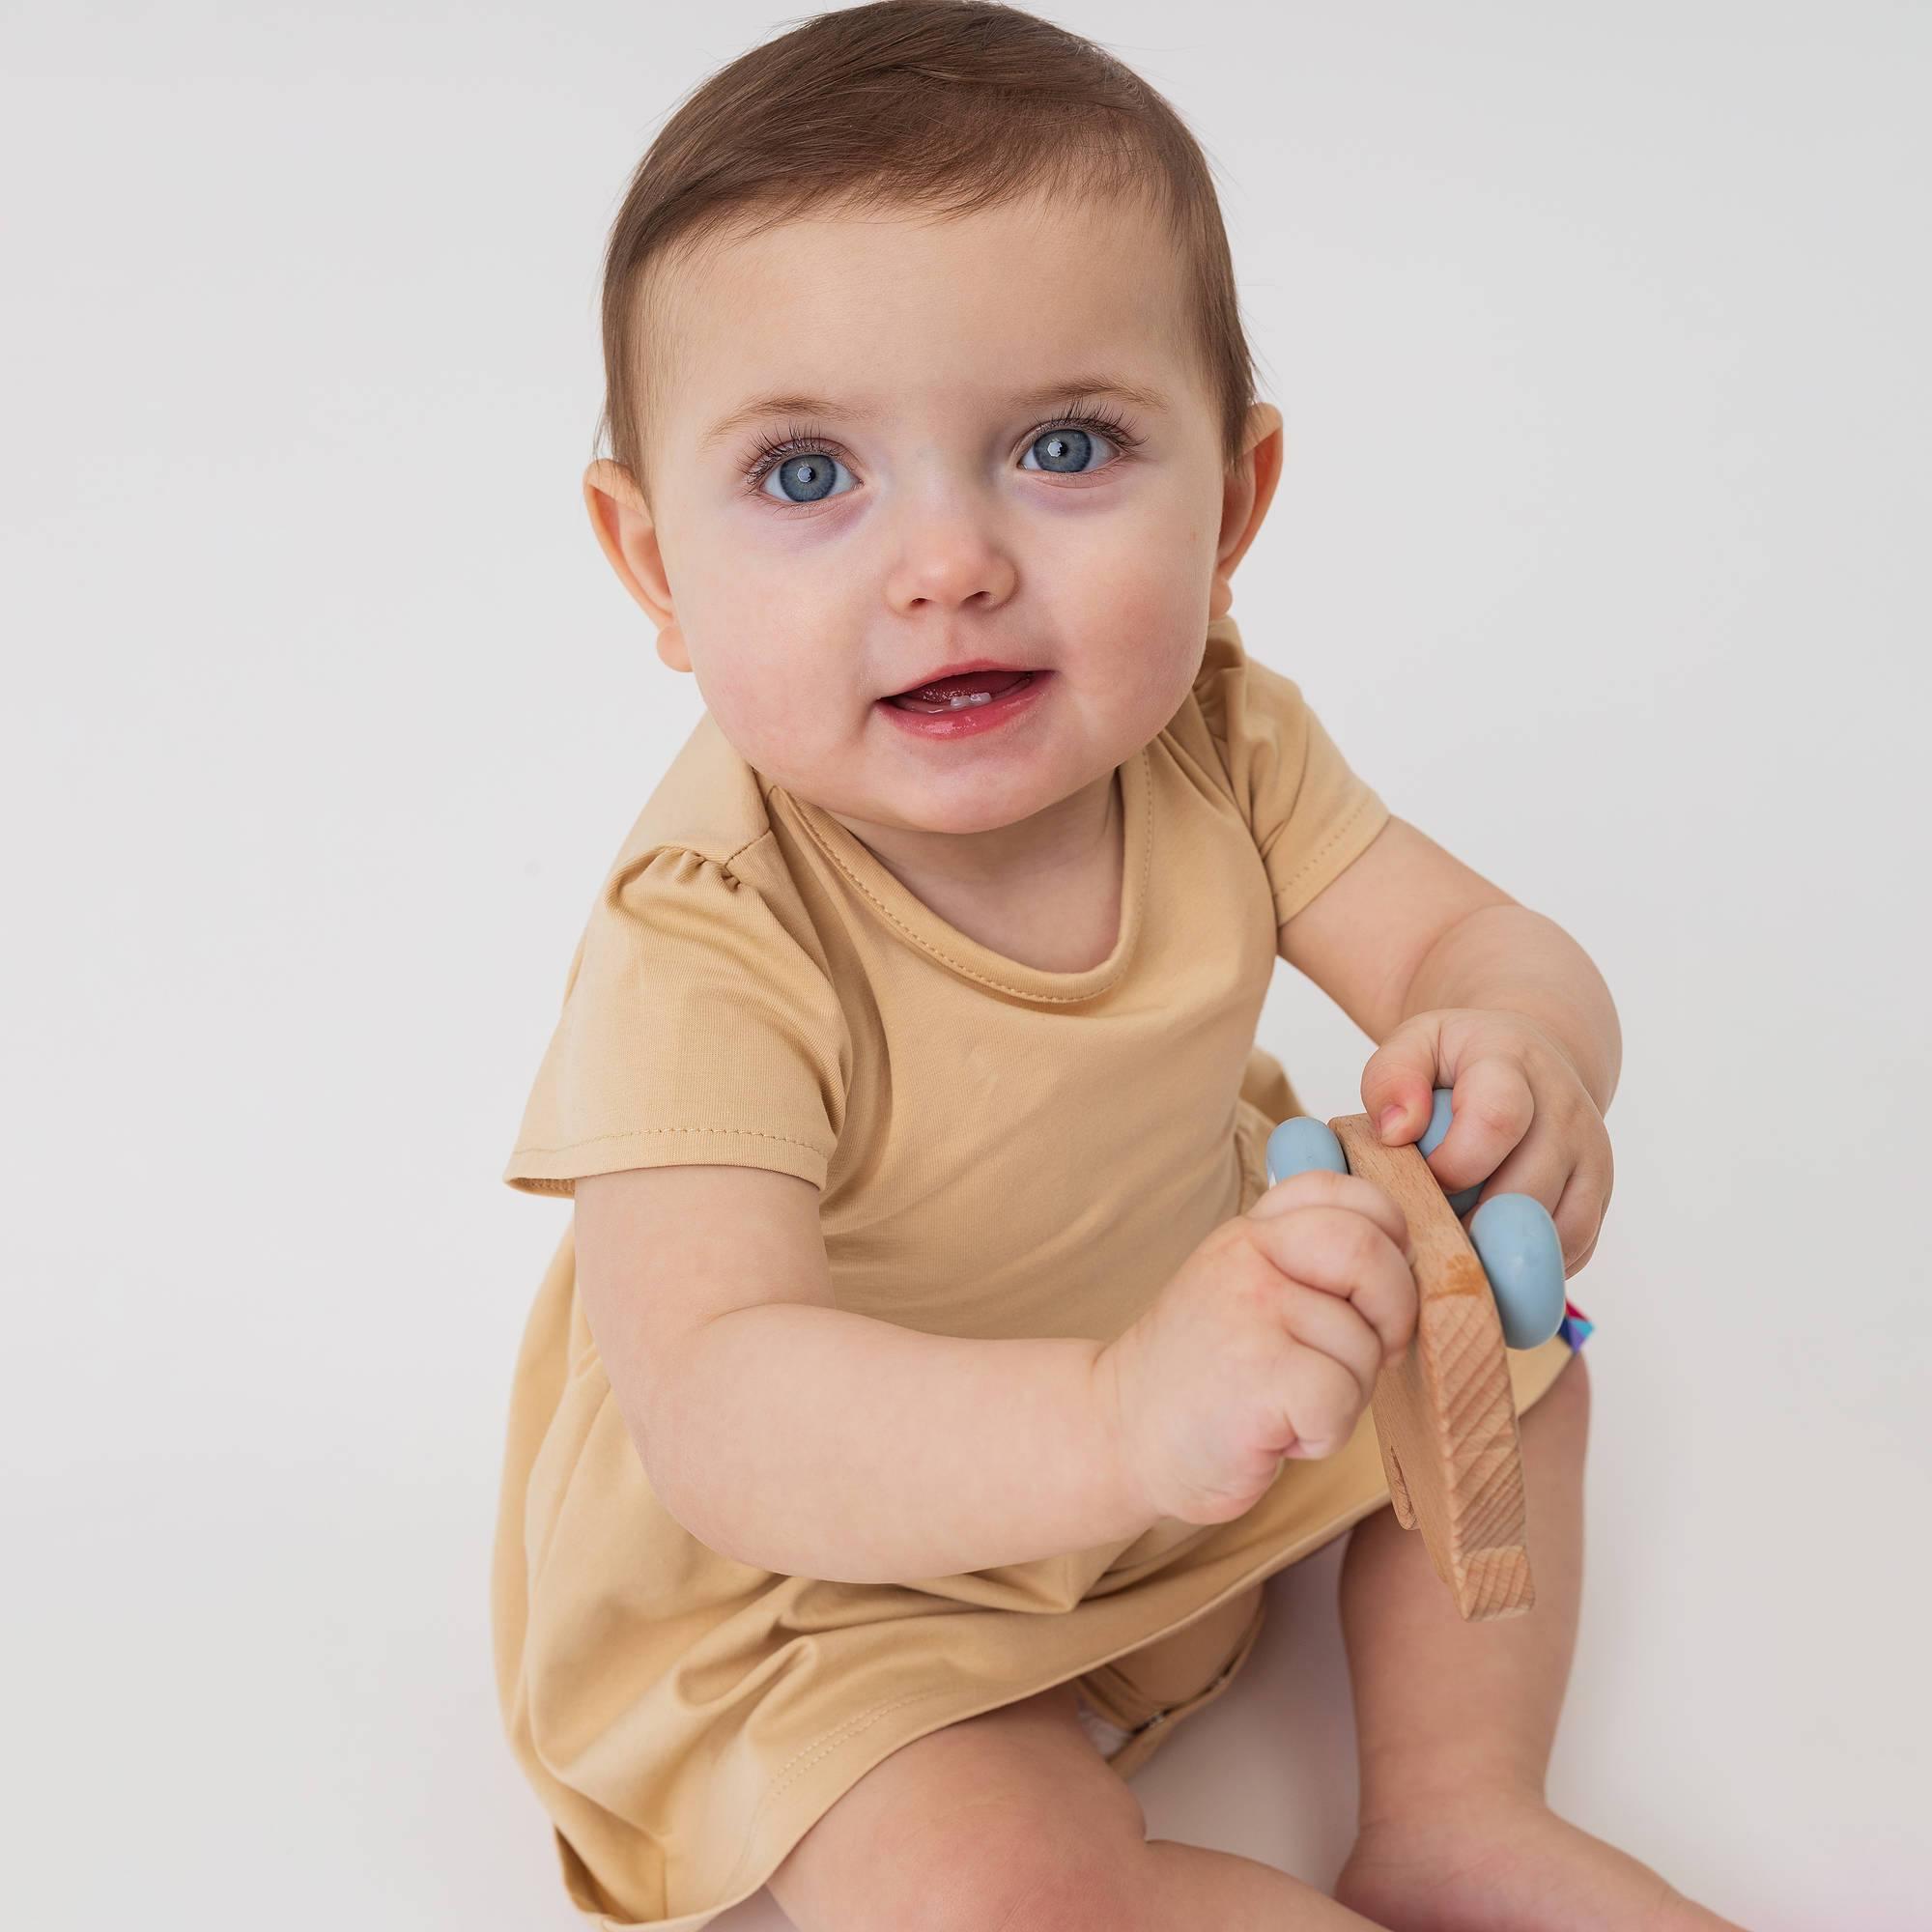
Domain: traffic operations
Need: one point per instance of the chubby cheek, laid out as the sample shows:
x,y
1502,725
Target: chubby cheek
x,y
774,675
768,704
1142,644
1129,591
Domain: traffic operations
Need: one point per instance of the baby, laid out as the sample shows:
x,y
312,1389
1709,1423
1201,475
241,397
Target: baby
x,y
930,1379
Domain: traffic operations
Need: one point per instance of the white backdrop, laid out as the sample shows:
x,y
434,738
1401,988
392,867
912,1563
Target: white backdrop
x,y
1600,335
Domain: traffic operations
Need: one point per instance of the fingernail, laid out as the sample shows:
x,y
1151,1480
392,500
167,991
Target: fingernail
x,y
1391,1118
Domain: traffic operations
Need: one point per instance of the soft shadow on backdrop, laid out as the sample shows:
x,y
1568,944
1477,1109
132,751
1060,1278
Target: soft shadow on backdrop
x,y
1599,337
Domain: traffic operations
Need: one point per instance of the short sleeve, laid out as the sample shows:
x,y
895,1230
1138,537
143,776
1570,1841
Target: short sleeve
x,y
696,1028
1310,813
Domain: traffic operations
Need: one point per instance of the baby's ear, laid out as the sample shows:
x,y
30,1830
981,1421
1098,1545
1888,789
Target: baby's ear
x,y
627,535
1246,492
1261,457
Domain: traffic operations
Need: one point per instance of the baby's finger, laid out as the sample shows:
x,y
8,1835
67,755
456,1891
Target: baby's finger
x,y
1319,1403
1321,1187
1579,1213
1347,1254
1338,1328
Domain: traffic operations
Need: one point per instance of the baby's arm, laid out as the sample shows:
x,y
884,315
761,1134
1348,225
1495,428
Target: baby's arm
x,y
805,1439
1408,927
1462,988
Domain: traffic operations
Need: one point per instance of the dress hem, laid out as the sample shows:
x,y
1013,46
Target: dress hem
x,y
821,1775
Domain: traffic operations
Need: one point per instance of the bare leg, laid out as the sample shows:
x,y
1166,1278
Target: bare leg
x,y
1442,1705
1454,1722
1012,1819
1188,1887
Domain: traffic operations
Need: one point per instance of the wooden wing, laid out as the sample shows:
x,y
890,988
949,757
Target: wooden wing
x,y
1445,1412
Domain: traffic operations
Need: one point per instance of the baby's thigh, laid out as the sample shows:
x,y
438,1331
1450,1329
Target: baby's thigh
x,y
1006,1821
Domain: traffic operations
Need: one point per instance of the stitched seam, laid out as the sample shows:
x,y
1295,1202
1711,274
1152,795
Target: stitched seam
x,y
986,979
808,1756
1287,886
803,1760
638,1133
725,862
613,889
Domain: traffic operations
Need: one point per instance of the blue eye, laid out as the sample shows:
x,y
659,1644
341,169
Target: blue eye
x,y
807,470
1066,449
809,473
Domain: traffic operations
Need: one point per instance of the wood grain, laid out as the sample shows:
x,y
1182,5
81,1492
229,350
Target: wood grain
x,y
1445,1414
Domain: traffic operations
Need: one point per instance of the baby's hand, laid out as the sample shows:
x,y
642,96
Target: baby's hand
x,y
1265,1343
1525,1121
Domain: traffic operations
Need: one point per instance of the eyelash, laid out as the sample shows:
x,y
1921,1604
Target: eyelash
x,y
798,436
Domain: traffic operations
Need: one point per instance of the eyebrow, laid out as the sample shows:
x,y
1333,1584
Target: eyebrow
x,y
1138,393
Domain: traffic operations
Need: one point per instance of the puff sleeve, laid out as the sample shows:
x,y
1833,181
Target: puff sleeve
x,y
1310,813
696,1028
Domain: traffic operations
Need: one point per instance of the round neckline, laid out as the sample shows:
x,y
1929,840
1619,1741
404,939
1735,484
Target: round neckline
x,y
917,922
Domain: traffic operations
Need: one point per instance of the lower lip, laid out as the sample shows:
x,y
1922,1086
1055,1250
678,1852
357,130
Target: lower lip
x,y
970,720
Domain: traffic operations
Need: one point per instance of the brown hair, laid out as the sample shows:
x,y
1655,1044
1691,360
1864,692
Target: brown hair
x,y
948,105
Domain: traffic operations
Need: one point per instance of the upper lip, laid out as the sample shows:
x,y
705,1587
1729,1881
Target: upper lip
x,y
958,669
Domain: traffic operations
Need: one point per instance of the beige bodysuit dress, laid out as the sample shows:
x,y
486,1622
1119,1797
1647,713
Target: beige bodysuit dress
x,y
1000,1151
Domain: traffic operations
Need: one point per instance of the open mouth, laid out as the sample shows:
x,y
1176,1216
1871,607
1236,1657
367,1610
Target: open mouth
x,y
961,693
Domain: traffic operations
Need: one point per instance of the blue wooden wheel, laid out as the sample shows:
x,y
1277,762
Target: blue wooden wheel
x,y
1512,1234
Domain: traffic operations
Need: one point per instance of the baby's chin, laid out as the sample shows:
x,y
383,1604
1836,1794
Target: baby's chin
x,y
967,807
960,808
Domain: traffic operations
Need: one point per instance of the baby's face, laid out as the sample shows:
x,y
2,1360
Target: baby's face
x,y
922,508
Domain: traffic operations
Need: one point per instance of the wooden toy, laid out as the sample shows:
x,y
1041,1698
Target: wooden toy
x,y
1444,1411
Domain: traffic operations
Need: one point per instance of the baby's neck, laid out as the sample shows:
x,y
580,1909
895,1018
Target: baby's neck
x,y
1047,896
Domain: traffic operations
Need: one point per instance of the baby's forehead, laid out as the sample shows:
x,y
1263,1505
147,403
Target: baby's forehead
x,y
980,304
1066,215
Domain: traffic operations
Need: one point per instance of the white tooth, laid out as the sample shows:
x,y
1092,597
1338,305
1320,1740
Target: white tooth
x,y
969,697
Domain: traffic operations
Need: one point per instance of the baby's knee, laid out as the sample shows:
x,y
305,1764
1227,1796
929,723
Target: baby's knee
x,y
1101,1888
1069,1867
